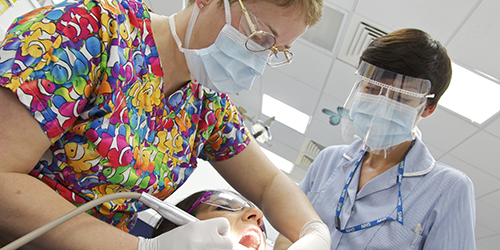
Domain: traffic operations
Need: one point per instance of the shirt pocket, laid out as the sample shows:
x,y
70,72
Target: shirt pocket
x,y
393,235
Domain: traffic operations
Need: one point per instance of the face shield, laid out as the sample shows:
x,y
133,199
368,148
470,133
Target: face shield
x,y
383,107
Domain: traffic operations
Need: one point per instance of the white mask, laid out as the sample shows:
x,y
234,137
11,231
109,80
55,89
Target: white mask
x,y
381,122
226,66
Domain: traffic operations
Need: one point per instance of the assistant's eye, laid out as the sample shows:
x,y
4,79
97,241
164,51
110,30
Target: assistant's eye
x,y
405,100
371,90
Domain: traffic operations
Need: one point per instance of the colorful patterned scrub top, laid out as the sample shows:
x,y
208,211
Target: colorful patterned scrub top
x,y
89,73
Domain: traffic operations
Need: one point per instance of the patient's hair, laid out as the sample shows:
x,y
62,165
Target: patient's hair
x,y
165,225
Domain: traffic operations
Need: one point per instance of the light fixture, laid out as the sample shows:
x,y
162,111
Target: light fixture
x,y
471,95
285,114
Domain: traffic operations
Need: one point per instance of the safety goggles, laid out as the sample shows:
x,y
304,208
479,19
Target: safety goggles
x,y
225,200
408,90
260,38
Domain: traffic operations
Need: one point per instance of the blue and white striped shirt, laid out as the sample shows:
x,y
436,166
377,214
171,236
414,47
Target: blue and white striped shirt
x,y
438,202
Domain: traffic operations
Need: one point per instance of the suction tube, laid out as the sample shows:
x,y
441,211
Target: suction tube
x,y
81,209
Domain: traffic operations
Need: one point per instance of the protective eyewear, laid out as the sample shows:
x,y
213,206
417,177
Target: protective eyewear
x,y
260,38
383,107
404,89
225,200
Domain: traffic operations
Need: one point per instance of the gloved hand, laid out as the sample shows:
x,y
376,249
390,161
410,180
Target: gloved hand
x,y
314,235
207,234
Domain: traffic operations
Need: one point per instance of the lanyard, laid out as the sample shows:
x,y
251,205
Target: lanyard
x,y
374,222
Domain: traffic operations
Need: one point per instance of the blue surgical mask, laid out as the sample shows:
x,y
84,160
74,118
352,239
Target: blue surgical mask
x,y
226,66
382,122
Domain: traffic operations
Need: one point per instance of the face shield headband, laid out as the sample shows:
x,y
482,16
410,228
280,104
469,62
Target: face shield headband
x,y
383,108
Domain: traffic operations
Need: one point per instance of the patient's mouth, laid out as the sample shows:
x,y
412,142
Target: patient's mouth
x,y
250,238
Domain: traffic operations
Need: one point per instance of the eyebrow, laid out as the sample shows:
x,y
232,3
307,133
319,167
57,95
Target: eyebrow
x,y
275,33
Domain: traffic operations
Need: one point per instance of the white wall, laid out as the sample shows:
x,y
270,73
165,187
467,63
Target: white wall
x,y
165,7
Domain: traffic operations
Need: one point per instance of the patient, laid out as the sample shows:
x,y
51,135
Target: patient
x,y
244,217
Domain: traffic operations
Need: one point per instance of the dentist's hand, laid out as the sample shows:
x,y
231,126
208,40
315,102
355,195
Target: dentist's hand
x,y
203,235
314,235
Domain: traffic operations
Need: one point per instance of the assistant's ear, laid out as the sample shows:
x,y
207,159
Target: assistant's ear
x,y
429,110
203,3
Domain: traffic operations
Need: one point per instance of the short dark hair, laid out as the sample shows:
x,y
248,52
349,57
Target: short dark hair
x,y
412,52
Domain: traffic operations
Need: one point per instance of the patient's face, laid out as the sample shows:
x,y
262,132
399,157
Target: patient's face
x,y
245,224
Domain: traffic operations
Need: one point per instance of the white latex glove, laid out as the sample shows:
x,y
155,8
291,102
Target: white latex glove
x,y
314,235
203,235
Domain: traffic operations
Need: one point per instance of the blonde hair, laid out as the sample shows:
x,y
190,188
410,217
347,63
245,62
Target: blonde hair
x,y
312,9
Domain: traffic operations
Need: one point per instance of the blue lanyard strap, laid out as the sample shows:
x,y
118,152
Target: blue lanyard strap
x,y
399,206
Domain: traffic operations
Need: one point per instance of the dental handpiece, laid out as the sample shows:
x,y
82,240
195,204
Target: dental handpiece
x,y
167,210
173,213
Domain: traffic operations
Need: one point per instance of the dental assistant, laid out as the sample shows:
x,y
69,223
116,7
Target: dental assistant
x,y
385,190
100,97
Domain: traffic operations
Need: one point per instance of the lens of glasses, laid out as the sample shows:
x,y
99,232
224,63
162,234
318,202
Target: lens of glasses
x,y
260,41
280,57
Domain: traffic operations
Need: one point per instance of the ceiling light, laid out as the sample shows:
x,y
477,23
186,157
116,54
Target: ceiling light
x,y
285,114
278,161
471,95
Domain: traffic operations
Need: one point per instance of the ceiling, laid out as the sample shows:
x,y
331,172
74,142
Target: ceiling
x,y
322,78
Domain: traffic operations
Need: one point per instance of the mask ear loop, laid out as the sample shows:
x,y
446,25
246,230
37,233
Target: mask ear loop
x,y
171,22
416,131
227,9
194,16
192,20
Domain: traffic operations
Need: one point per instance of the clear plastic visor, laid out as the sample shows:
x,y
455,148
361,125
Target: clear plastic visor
x,y
383,107
405,89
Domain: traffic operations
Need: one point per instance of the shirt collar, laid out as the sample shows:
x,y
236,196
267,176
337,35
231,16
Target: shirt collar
x,y
419,160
